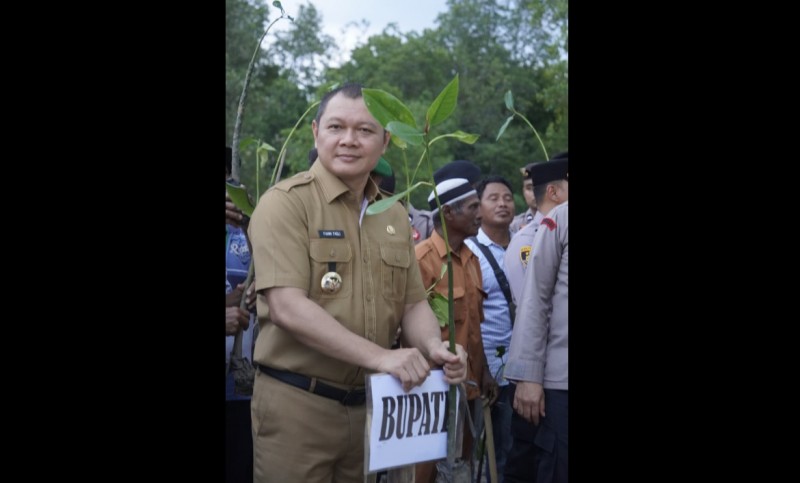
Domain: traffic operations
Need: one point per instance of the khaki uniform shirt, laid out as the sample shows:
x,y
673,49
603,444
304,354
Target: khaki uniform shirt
x,y
468,296
308,225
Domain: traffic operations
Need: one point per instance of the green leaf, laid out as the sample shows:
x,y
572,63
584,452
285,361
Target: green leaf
x,y
247,142
399,142
444,104
239,197
460,135
503,129
509,100
405,132
438,303
383,205
387,108
386,203
429,290
263,154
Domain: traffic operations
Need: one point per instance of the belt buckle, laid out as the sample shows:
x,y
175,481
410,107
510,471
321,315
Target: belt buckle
x,y
354,397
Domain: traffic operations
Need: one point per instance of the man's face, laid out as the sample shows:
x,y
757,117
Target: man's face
x,y
467,221
349,140
497,205
527,191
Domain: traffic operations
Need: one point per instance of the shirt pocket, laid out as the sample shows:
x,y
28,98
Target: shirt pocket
x,y
395,260
327,254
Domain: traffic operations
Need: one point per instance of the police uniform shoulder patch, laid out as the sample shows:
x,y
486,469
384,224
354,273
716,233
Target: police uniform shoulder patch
x,y
549,222
296,180
524,254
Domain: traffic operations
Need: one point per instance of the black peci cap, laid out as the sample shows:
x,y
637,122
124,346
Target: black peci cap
x,y
548,171
458,169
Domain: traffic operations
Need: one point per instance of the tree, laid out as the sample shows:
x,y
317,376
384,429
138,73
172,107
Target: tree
x,y
303,51
275,100
493,45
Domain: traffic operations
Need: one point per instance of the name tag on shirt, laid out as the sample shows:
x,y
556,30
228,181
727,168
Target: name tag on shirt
x,y
331,233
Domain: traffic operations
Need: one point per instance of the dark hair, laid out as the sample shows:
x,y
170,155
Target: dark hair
x,y
351,90
312,156
228,159
455,207
387,184
491,179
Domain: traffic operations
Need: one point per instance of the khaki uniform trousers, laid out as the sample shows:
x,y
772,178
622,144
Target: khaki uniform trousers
x,y
299,436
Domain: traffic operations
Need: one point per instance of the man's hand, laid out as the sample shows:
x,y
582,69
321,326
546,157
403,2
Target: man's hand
x,y
408,365
236,319
454,365
234,298
490,388
251,296
529,401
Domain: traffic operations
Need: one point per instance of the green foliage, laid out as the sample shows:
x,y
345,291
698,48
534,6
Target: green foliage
x,y
239,197
443,106
496,47
275,99
509,98
304,51
382,205
406,133
388,110
438,304
437,301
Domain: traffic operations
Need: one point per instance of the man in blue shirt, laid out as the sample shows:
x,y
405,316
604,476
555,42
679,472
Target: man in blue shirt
x,y
497,213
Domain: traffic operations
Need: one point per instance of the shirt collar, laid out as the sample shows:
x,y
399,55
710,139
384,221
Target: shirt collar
x,y
438,243
333,187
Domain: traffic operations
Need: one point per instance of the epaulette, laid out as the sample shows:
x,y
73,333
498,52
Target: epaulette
x,y
301,178
429,247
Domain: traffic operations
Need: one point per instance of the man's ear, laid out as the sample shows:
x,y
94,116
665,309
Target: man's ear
x,y
448,215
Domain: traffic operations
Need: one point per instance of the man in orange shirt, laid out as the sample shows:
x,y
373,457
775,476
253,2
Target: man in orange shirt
x,y
460,207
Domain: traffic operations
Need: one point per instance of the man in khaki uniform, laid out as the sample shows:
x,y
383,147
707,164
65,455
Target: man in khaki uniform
x,y
333,286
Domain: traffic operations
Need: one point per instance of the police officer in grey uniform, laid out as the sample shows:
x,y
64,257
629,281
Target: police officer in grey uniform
x,y
538,359
525,217
549,191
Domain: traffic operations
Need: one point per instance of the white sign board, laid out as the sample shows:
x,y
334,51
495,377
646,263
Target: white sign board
x,y
405,427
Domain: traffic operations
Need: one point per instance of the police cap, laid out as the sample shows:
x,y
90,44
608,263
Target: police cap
x,y
549,171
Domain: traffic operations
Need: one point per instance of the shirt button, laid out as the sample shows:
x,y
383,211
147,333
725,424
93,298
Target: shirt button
x,y
369,297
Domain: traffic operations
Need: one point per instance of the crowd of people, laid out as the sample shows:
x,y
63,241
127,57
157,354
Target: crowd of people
x,y
337,295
